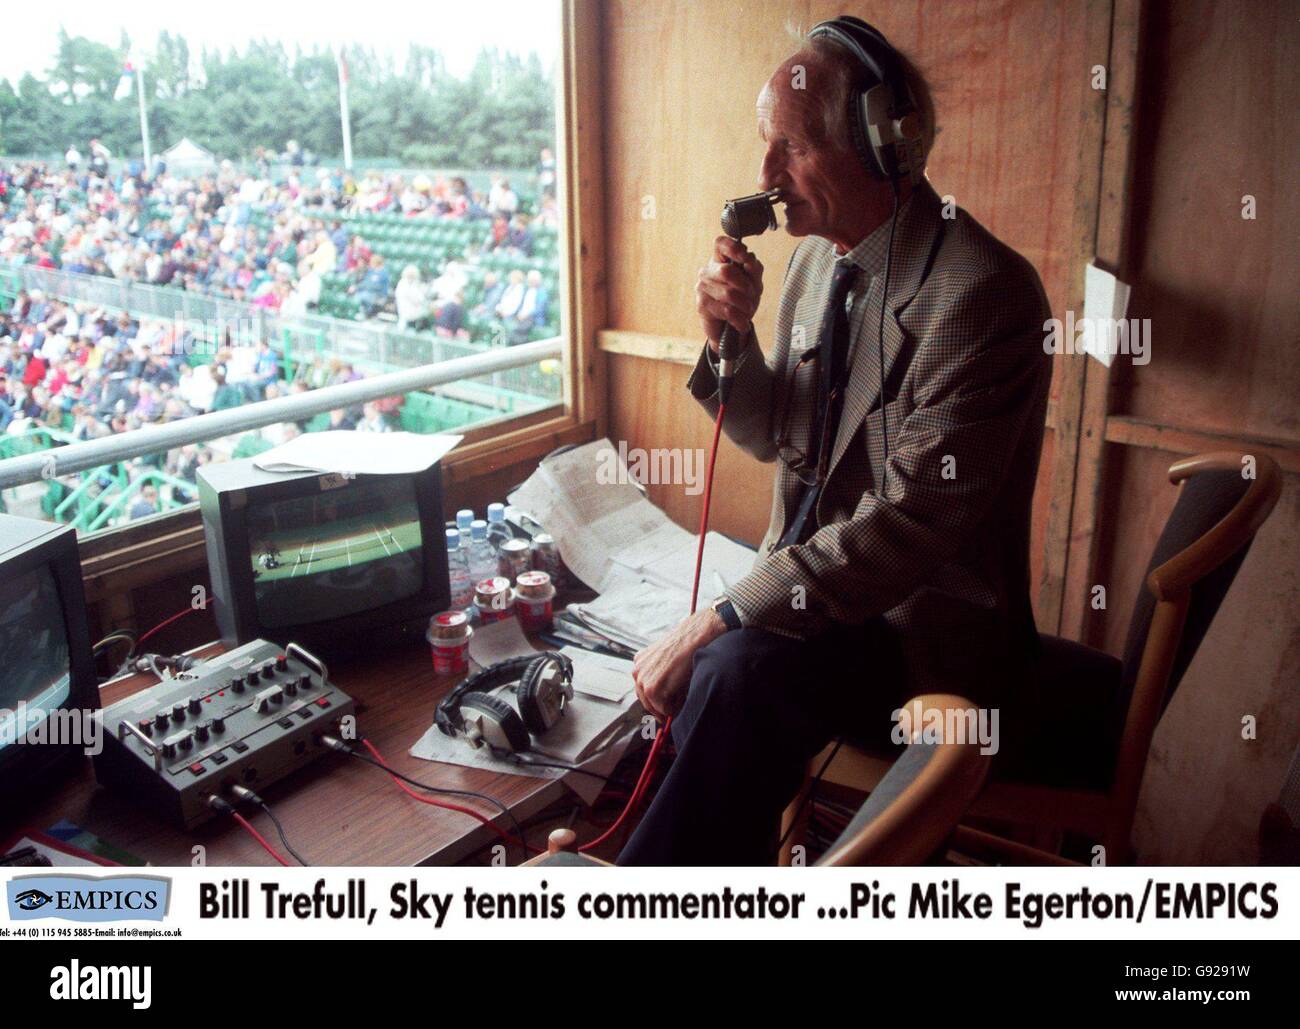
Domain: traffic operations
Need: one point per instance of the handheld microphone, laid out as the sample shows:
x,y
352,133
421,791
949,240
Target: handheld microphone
x,y
745,216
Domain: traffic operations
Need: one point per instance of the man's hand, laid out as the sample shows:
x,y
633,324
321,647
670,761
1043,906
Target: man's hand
x,y
728,289
662,671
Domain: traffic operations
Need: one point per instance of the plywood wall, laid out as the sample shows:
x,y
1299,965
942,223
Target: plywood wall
x,y
1218,122
1011,81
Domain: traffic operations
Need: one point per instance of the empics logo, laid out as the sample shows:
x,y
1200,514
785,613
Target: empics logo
x,y
31,900
84,898
103,982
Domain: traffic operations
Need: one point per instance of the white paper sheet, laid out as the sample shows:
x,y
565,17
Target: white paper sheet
x,y
356,453
600,675
497,641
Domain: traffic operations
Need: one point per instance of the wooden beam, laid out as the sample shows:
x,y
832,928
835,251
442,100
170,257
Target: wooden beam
x,y
673,349
581,185
1077,616
1177,439
1071,369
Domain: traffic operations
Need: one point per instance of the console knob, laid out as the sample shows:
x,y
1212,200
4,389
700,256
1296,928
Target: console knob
x,y
168,749
237,684
291,688
178,711
160,719
146,726
201,730
281,663
304,681
218,723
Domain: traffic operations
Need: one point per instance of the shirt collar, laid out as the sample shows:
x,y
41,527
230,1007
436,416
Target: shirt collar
x,y
869,254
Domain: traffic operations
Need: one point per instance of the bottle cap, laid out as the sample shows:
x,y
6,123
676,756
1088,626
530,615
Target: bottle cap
x,y
453,539
478,529
496,512
463,518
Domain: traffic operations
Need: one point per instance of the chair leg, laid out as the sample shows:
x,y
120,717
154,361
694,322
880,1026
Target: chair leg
x,y
794,822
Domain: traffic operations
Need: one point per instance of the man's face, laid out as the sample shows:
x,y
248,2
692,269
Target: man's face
x,y
821,181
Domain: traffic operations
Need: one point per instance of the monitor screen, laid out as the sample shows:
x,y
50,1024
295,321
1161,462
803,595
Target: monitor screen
x,y
35,669
336,552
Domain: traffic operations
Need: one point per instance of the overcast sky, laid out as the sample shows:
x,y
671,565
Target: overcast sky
x,y
456,27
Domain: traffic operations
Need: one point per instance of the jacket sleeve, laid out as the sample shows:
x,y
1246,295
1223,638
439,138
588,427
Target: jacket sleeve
x,y
947,463
750,410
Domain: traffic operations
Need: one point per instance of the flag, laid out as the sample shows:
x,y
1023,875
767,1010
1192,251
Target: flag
x,y
124,83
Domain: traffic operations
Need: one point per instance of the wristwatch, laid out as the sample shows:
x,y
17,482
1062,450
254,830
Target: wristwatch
x,y
727,612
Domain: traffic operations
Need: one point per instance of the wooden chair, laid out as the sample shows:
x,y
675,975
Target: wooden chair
x,y
909,815
1080,767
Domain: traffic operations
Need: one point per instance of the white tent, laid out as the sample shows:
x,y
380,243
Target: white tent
x,y
188,156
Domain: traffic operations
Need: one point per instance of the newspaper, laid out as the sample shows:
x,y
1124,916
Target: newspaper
x,y
620,544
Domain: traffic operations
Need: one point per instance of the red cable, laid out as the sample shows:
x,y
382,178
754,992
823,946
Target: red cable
x,y
443,803
162,625
248,828
652,759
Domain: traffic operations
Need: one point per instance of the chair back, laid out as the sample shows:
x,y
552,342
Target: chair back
x,y
1219,510
1210,493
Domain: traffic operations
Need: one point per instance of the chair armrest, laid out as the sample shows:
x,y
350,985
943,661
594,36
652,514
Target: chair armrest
x,y
916,806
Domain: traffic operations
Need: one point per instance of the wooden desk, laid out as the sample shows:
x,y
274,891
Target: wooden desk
x,y
336,811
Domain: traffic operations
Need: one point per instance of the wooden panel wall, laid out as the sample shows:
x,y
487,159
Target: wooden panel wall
x,y
1218,84
1218,121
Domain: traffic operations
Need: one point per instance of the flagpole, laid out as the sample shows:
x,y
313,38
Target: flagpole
x,y
144,121
345,115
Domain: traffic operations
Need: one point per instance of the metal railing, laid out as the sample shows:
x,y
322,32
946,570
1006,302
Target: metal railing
x,y
368,346
154,439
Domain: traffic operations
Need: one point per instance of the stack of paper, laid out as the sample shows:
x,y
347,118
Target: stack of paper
x,y
620,544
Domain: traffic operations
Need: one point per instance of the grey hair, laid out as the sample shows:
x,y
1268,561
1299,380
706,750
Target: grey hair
x,y
842,70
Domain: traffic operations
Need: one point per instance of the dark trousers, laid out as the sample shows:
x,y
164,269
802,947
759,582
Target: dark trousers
x,y
760,706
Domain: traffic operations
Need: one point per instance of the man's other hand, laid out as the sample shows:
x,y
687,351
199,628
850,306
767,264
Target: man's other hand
x,y
662,671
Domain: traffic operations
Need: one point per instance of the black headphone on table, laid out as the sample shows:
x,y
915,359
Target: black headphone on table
x,y
544,690
884,120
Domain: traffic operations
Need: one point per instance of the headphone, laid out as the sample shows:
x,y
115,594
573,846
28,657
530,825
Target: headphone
x,y
884,120
545,687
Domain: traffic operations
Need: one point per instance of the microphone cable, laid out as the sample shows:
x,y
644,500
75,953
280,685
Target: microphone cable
x,y
656,749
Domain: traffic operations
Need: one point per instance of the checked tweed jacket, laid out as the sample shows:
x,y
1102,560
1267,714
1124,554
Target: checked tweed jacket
x,y
938,546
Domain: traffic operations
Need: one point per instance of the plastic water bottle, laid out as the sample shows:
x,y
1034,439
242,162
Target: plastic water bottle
x,y
464,518
458,573
482,558
498,530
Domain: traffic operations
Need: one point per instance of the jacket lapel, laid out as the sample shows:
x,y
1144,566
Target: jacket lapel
x,y
915,239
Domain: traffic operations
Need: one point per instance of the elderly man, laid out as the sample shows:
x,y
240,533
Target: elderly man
x,y
903,401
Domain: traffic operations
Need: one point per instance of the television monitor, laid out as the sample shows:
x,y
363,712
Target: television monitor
x,y
322,560
48,688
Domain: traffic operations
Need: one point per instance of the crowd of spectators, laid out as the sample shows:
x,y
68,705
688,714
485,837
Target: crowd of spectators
x,y
203,233
86,371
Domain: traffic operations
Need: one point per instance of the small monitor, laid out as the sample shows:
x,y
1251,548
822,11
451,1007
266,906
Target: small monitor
x,y
322,559
48,689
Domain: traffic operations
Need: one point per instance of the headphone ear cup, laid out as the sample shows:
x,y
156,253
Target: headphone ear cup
x,y
526,696
860,133
529,686
500,711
